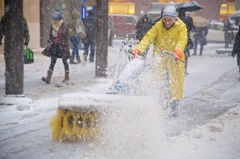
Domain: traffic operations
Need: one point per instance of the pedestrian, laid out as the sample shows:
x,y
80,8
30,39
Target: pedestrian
x,y
111,30
144,24
169,34
190,27
26,35
74,37
200,38
236,46
90,40
57,46
228,32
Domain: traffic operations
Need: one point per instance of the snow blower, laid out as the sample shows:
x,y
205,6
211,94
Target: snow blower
x,y
80,115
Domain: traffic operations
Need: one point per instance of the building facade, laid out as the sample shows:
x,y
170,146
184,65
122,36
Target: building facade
x,y
39,19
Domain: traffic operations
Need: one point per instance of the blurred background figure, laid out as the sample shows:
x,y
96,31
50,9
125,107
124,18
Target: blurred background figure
x,y
111,30
236,46
190,27
142,27
144,24
74,38
228,32
25,30
90,40
200,38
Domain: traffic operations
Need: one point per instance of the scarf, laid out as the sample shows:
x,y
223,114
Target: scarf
x,y
57,26
55,31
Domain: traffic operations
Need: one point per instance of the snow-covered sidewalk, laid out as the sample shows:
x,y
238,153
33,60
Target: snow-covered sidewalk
x,y
203,130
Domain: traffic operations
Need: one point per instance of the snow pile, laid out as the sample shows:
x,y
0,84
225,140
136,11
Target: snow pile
x,y
129,129
142,137
14,99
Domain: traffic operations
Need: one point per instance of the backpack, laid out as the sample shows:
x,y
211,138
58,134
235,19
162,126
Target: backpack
x,y
80,31
28,56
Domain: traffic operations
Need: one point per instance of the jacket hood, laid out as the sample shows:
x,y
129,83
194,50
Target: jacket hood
x,y
145,17
75,14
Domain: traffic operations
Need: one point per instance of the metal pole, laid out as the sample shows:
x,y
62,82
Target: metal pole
x,y
102,38
13,47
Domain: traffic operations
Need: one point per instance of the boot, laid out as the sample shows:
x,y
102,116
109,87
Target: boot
x,y
72,60
78,59
66,78
48,78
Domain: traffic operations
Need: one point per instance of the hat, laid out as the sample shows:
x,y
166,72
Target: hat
x,y
170,12
57,15
171,3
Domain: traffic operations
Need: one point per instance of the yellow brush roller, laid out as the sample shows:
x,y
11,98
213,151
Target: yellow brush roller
x,y
80,116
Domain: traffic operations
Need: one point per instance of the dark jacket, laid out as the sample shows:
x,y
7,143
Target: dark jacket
x,y
200,35
143,26
190,27
236,47
90,26
25,30
64,47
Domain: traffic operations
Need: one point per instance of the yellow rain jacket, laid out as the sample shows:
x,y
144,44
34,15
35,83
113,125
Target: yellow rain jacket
x,y
167,40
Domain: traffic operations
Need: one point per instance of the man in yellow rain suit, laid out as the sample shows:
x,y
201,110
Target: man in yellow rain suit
x,y
169,34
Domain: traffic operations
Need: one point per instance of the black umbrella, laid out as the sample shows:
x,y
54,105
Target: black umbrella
x,y
189,6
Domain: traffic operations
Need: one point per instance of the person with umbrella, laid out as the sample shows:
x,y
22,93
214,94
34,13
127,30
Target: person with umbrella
x,y
189,6
236,46
190,27
169,34
200,23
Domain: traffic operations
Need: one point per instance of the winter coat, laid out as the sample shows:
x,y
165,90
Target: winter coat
x,y
200,35
25,30
64,47
169,40
190,27
75,18
90,26
143,26
236,47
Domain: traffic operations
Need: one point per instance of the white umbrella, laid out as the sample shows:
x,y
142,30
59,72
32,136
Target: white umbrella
x,y
199,21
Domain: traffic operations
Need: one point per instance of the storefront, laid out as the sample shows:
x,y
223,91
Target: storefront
x,y
40,19
121,7
227,9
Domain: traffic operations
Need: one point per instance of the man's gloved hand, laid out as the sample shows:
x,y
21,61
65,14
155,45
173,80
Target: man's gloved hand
x,y
0,43
179,54
135,53
233,54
